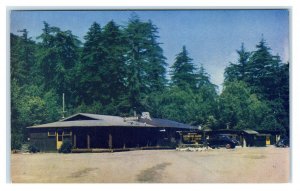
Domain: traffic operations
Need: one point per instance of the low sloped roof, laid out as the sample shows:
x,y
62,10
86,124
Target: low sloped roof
x,y
91,123
166,123
94,120
93,117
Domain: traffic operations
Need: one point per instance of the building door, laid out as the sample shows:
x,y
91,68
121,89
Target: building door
x,y
268,141
59,139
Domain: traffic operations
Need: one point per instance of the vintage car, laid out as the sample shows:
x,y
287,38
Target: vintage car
x,y
283,143
222,141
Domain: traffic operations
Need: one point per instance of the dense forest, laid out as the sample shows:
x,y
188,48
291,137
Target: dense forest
x,y
119,70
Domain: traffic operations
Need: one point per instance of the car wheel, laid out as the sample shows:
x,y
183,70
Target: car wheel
x,y
228,146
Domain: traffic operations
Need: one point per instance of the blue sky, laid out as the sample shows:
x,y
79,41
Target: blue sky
x,y
210,36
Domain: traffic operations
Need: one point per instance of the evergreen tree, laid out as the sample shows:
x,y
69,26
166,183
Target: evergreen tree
x,y
135,36
267,77
23,58
261,69
193,106
92,69
16,124
203,79
155,78
270,81
23,75
206,100
238,71
144,60
183,71
115,75
284,95
58,54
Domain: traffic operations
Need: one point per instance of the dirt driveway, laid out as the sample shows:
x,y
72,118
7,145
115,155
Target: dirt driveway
x,y
268,164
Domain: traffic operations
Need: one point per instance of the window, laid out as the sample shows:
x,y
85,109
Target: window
x,y
67,133
51,133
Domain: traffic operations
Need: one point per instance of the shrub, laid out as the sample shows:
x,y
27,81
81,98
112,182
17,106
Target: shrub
x,y
16,141
66,147
33,149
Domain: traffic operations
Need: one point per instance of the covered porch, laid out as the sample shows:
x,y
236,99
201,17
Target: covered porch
x,y
105,139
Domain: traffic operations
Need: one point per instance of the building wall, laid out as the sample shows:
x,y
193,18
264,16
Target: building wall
x,y
40,139
108,137
260,141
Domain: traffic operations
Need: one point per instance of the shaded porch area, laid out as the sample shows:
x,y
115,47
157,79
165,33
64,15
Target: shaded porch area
x,y
109,139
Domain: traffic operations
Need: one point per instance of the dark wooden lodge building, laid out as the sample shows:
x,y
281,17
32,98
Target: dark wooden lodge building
x,y
90,131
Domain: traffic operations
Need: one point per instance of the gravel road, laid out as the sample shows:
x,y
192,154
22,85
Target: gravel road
x,y
240,165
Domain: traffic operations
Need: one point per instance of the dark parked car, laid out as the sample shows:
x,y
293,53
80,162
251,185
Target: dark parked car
x,y
283,143
222,141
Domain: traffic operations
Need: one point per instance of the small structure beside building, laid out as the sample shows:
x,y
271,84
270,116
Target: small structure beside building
x,y
249,138
261,138
272,137
246,138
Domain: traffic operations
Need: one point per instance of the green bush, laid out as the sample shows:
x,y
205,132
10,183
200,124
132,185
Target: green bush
x,y
33,149
66,147
16,141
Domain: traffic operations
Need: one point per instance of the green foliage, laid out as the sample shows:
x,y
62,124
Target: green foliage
x,y
241,109
57,56
176,104
23,58
66,147
183,71
92,69
115,69
185,106
144,60
268,78
193,96
95,107
16,139
238,71
16,123
211,123
53,105
32,110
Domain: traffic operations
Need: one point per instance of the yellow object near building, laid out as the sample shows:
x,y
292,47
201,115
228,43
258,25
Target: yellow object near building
x,y
268,140
59,139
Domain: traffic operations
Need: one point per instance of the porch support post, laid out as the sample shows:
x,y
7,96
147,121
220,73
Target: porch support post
x,y
88,141
110,140
244,142
74,141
